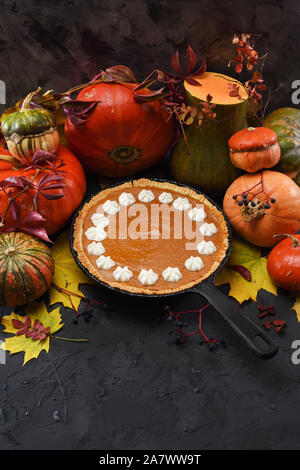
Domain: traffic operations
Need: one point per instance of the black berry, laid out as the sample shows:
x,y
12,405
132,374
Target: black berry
x,y
234,197
240,203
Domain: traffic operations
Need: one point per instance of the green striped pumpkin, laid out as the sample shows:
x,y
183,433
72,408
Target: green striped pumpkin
x,y
286,123
29,130
26,269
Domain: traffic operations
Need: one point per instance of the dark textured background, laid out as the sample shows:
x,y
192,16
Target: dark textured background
x,y
131,387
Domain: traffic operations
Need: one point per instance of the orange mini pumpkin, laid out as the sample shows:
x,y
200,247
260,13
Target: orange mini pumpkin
x,y
254,148
261,205
284,262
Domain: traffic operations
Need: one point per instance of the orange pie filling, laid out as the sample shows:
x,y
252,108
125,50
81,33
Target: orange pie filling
x,y
150,237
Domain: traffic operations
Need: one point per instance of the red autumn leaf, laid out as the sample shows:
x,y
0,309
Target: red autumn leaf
x,y
267,325
193,82
29,333
244,272
200,71
191,58
17,323
116,73
279,324
149,96
78,111
21,331
36,335
175,62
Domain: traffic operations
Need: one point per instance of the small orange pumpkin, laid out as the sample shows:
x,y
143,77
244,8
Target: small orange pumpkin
x,y
254,148
262,204
284,262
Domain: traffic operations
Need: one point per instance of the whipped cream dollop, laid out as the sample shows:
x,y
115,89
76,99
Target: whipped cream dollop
x,y
99,220
181,204
95,248
146,195
147,277
122,274
171,274
165,198
194,263
206,248
207,230
197,213
126,199
110,207
105,262
95,233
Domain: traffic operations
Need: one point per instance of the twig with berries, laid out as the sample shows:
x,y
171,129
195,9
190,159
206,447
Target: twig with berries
x,y
247,57
254,201
181,335
89,303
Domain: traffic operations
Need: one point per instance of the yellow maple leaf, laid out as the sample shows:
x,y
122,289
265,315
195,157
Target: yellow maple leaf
x,y
31,348
249,256
296,306
67,273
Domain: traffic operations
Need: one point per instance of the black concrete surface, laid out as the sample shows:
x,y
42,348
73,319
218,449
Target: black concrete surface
x,y
130,386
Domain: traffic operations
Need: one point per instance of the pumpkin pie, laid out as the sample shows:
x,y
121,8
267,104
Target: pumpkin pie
x,y
150,237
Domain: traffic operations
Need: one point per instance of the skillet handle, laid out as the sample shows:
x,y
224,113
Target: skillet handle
x,y
232,314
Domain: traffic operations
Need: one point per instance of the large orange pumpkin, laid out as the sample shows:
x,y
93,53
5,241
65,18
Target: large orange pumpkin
x,y
257,224
120,136
56,212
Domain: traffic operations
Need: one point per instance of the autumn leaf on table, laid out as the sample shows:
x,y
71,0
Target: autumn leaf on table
x,y
248,256
31,332
296,306
67,274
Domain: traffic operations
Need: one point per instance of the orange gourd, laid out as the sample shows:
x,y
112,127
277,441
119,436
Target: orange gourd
x,y
56,212
284,262
254,148
261,205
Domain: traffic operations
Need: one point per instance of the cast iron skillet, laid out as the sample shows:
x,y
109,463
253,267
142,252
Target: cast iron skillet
x,y
255,338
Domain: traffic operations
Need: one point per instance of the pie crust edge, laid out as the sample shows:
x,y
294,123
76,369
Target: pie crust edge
x,y
78,233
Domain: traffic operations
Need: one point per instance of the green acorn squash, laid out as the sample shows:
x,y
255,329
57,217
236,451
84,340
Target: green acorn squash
x,y
26,268
286,123
28,130
204,160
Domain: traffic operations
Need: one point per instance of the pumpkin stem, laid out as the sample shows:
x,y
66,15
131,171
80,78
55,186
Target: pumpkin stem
x,y
10,251
294,239
250,212
10,159
27,100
